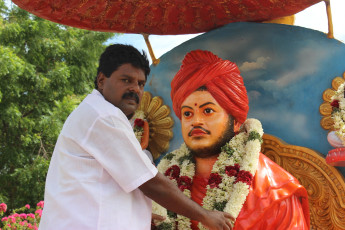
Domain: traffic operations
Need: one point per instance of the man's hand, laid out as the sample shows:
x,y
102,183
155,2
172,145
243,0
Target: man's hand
x,y
216,220
165,193
157,217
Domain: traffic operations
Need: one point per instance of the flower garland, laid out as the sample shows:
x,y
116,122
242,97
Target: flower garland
x,y
138,126
338,114
230,179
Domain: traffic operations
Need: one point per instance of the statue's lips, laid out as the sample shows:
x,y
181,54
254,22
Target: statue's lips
x,y
197,132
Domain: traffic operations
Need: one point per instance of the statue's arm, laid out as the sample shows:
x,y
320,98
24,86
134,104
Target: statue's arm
x,y
286,214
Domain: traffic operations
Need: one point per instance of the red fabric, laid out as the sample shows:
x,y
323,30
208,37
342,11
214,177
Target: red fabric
x,y
159,17
221,77
276,200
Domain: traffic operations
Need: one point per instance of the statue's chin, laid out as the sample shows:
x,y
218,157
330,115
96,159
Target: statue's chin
x,y
334,140
205,152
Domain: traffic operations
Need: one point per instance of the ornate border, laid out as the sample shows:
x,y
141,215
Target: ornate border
x,y
324,183
326,108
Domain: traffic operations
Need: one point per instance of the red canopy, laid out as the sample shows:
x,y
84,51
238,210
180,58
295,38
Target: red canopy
x,y
160,16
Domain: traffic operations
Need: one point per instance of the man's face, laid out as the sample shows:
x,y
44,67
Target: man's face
x,y
124,88
204,124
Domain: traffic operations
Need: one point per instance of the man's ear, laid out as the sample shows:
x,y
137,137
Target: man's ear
x,y
100,80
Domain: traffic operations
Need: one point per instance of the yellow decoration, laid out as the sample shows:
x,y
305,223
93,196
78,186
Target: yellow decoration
x,y
160,123
155,61
329,17
288,20
326,108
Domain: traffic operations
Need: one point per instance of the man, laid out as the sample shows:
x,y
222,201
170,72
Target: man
x,y
220,165
99,177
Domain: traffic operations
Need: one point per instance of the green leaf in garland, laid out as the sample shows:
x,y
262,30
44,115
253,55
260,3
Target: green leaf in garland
x,y
164,226
219,205
188,157
169,156
227,149
171,214
253,135
335,110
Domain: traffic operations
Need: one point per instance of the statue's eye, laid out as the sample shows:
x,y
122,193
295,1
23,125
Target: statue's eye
x,y
187,114
208,110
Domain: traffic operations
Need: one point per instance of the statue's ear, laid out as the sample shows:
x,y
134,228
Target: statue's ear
x,y
237,126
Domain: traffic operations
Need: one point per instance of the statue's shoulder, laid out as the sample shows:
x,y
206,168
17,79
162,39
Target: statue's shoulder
x,y
270,176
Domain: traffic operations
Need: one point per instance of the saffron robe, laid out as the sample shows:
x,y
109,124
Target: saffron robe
x,y
276,200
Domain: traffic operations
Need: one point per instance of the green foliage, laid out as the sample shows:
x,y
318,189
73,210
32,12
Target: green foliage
x,y
188,157
253,135
171,214
169,156
46,69
227,149
165,226
219,205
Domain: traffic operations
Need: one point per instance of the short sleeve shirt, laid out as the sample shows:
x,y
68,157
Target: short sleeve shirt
x,y
95,171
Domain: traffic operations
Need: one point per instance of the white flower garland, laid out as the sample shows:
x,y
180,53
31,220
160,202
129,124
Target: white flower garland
x,y
338,114
227,195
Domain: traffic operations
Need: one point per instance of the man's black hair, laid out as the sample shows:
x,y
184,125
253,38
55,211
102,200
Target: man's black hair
x,y
118,54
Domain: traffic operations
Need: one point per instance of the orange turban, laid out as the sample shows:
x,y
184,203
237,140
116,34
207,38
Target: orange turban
x,y
221,78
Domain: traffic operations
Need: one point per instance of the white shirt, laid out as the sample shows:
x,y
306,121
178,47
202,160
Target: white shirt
x,y
95,171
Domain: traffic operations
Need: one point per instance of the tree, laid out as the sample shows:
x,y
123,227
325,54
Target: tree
x,y
45,71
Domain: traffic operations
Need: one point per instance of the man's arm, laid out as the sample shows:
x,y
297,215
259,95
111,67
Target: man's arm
x,y
164,192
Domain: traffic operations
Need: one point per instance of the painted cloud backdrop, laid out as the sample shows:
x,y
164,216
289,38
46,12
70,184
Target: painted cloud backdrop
x,y
285,69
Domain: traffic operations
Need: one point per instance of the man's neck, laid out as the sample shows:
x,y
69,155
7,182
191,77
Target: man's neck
x,y
203,166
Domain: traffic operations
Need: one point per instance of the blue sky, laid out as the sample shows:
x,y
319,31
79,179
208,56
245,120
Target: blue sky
x,y
314,17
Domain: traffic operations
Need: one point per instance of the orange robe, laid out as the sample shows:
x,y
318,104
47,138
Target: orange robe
x,y
276,200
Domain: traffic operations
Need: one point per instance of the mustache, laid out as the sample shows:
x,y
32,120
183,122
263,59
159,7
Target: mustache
x,y
131,95
198,127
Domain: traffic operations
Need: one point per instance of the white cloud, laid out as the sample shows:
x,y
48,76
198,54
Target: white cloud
x,y
253,95
294,122
260,63
306,64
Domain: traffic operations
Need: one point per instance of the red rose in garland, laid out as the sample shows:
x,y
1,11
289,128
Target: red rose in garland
x,y
184,182
232,170
245,177
139,122
214,180
335,103
173,172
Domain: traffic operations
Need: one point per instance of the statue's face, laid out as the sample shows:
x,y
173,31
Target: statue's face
x,y
204,122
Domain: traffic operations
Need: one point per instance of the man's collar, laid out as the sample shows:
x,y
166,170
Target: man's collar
x,y
96,92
